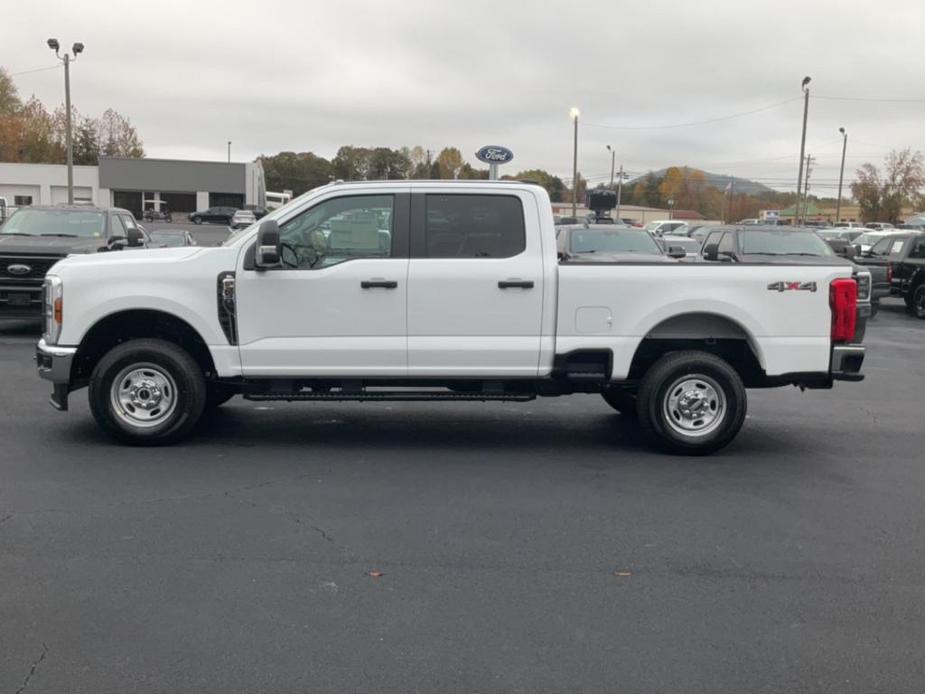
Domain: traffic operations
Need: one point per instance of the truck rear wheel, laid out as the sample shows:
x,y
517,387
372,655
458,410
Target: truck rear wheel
x,y
691,403
918,301
147,392
623,401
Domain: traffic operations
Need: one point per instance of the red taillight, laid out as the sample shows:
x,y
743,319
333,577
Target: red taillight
x,y
843,298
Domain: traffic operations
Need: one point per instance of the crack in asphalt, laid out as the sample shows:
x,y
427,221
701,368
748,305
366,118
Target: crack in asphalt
x,y
35,665
294,517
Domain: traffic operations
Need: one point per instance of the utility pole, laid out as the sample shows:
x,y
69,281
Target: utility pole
x,y
841,175
573,114
809,162
805,87
732,197
229,151
619,194
77,48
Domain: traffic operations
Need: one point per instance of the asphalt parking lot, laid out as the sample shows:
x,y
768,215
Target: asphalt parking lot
x,y
469,547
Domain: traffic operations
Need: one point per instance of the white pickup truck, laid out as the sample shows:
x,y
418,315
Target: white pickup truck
x,y
434,291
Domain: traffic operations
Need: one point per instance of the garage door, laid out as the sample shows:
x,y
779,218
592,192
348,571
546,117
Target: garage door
x,y
81,194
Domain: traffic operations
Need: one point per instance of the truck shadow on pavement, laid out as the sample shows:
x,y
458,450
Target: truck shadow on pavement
x,y
348,428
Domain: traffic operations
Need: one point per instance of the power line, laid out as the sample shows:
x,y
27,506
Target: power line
x,y
37,69
868,98
692,123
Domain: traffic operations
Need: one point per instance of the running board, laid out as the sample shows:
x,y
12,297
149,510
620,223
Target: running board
x,y
408,396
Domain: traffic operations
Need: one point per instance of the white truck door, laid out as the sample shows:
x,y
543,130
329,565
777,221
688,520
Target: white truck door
x,y
475,284
338,307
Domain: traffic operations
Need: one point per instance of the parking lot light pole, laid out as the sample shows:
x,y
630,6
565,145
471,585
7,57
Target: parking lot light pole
x,y
613,160
229,151
573,114
805,87
670,208
841,175
76,49
619,193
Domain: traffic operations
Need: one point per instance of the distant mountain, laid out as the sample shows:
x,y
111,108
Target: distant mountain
x,y
720,181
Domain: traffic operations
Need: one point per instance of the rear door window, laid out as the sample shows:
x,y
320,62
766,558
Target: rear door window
x,y
727,243
474,226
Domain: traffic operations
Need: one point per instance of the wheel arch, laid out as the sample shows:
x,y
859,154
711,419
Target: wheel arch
x,y
707,331
129,324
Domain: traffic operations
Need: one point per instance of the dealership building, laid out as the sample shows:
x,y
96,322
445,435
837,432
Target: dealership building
x,y
137,184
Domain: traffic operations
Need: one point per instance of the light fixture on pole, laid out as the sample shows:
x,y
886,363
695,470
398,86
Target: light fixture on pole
x,y
573,114
67,59
841,175
805,87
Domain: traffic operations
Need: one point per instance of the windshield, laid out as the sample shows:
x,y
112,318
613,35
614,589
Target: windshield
x,y
56,223
169,239
769,242
611,241
868,239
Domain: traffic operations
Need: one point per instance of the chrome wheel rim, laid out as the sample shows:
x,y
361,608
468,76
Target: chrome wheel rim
x,y
143,395
694,405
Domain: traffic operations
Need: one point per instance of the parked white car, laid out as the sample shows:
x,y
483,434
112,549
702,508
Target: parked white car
x,y
241,219
869,237
438,291
667,226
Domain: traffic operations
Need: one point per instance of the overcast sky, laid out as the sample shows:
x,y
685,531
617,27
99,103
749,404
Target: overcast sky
x,y
311,75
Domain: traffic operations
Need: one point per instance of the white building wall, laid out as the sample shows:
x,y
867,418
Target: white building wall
x,y
43,182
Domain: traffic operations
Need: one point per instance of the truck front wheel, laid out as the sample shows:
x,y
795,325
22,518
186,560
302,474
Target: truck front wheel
x,y
147,392
691,403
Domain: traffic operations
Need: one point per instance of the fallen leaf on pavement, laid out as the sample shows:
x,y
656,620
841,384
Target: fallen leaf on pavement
x,y
376,574
622,573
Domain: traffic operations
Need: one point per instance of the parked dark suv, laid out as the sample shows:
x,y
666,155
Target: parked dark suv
x,y
36,237
222,215
761,244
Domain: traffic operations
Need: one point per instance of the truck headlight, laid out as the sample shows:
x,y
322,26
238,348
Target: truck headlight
x,y
52,308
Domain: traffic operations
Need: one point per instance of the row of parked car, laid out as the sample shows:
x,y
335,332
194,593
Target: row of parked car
x,y
894,259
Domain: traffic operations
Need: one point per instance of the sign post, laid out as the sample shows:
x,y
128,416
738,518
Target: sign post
x,y
494,155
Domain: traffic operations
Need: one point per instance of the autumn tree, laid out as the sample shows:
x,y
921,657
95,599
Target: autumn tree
x,y
882,197
9,97
449,163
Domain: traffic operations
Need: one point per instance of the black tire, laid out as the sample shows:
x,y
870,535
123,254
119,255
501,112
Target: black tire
x,y
197,220
623,401
180,379
714,386
217,394
874,308
918,302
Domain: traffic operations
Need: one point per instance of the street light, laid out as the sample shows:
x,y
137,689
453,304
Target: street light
x,y
841,175
229,151
573,114
670,207
804,85
67,59
613,159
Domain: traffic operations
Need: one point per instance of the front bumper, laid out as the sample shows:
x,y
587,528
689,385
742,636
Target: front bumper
x,y
54,364
846,362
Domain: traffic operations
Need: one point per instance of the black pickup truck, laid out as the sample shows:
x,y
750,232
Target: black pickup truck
x,y
35,238
904,255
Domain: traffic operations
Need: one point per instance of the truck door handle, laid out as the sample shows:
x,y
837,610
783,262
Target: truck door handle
x,y
515,284
379,284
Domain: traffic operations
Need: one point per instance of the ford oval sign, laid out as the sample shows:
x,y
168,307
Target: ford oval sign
x,y
493,154
18,269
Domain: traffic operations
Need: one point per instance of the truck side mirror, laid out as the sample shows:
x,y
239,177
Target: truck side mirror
x,y
676,252
711,251
133,237
269,247
850,251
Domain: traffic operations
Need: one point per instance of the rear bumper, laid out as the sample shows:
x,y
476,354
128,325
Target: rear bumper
x,y
846,362
54,364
